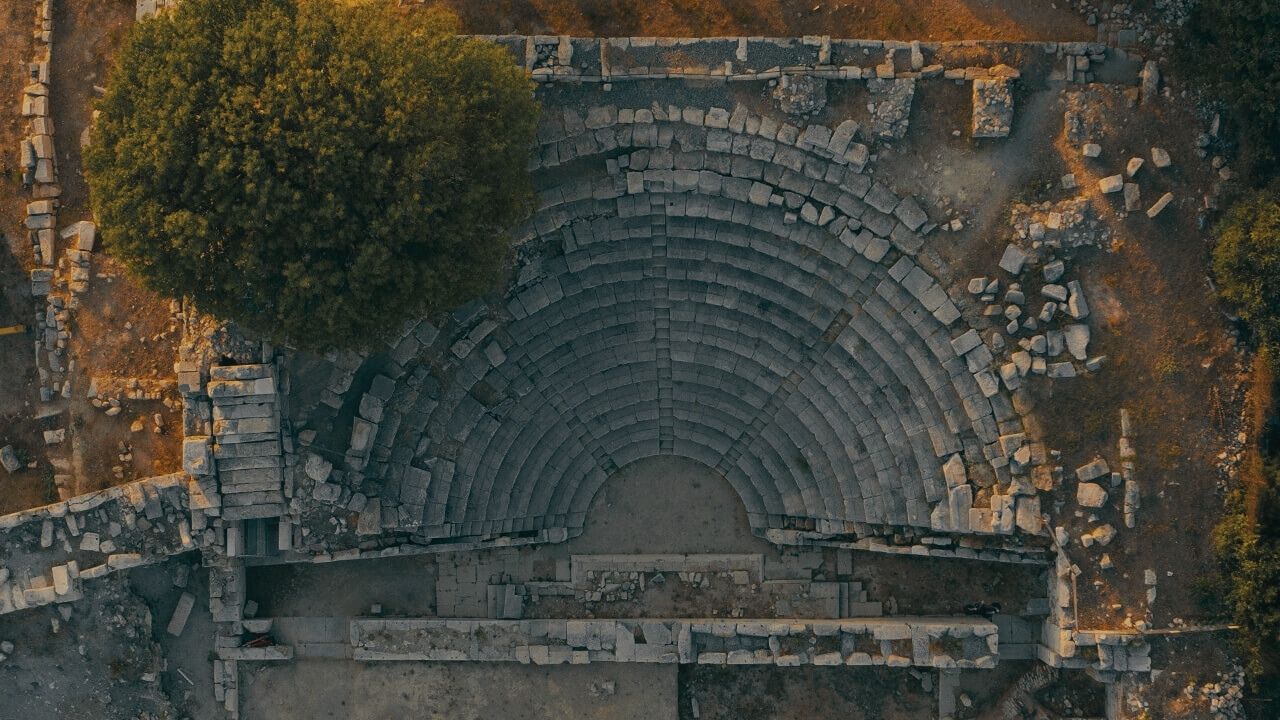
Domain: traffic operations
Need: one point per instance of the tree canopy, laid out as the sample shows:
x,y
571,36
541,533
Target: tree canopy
x,y
1246,264
316,171
1230,47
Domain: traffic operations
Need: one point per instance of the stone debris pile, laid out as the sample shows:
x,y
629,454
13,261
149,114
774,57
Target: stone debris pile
x,y
799,94
1055,330
1081,61
993,103
890,107
1061,225
1225,697
53,549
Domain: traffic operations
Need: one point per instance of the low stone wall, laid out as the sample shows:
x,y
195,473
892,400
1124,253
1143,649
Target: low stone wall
x,y
551,58
937,642
47,552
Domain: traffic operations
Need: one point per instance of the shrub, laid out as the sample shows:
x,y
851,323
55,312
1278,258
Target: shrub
x,y
1249,554
1246,264
317,171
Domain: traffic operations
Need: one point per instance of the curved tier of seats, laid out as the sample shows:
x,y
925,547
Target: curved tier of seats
x,y
741,295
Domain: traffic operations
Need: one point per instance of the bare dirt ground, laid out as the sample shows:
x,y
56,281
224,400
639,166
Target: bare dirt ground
x,y
403,586
458,691
187,678
1170,362
19,382
88,659
120,331
766,693
870,19
1169,359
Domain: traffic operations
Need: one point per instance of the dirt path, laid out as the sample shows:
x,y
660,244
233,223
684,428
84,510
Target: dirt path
x,y
459,691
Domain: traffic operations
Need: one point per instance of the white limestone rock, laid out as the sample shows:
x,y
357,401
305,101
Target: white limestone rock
x,y
1111,184
1013,260
1091,495
1077,338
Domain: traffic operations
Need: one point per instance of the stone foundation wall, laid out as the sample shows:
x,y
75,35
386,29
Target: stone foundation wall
x,y
943,642
47,552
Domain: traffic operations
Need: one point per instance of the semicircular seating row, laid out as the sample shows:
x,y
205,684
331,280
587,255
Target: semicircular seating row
x,y
684,290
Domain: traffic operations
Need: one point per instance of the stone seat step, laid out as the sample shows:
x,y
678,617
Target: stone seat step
x,y
253,475
251,512
251,498
249,487
261,448
230,390
246,438
241,372
236,412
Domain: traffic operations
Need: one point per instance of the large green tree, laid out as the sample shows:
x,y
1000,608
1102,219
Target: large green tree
x,y
317,171
1232,48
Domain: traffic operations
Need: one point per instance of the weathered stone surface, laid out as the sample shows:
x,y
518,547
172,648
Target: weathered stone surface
x,y
1090,495
1093,470
1013,260
9,459
1077,339
1132,196
197,455
317,468
800,94
954,472
1077,306
992,108
1111,183
1150,76
1160,205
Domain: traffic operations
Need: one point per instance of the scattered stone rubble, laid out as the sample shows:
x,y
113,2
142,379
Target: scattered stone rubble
x,y
1225,697
890,107
1065,224
48,552
1132,492
1126,25
993,103
800,94
1057,328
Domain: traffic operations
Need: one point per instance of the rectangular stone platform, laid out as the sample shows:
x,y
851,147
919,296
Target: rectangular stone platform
x,y
937,642
704,563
